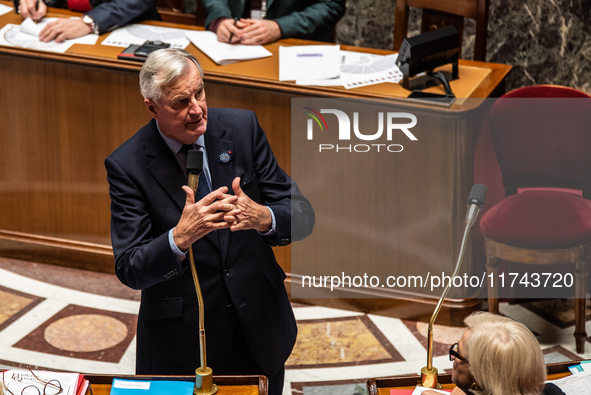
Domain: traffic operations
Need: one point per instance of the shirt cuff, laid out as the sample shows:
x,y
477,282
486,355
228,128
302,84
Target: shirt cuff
x,y
180,256
273,229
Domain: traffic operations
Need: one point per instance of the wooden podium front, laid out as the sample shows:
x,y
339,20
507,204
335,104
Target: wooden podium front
x,y
227,385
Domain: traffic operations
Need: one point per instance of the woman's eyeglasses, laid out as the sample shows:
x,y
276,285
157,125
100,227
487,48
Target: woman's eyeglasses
x,y
454,353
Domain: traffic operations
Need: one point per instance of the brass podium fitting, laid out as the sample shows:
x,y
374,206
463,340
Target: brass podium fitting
x,y
429,378
204,382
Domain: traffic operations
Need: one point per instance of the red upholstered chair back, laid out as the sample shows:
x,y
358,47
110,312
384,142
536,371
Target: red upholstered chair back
x,y
542,138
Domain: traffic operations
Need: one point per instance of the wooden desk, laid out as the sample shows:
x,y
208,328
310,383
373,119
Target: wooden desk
x,y
63,114
382,386
227,385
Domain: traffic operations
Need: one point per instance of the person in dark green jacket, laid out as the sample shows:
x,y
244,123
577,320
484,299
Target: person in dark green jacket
x,y
253,22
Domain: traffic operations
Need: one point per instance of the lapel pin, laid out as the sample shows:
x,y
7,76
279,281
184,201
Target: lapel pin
x,y
225,157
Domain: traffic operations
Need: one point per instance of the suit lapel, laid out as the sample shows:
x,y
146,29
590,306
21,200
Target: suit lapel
x,y
160,163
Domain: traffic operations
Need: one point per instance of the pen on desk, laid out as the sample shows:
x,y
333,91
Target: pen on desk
x,y
232,34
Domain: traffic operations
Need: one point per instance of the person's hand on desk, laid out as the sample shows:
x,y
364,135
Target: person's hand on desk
x,y
229,30
34,9
63,29
259,31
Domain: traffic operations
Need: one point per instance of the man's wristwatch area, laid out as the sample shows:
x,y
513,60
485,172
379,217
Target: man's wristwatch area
x,y
91,23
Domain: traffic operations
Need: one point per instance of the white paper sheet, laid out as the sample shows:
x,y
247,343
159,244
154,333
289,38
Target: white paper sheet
x,y
139,34
311,62
224,53
28,26
4,9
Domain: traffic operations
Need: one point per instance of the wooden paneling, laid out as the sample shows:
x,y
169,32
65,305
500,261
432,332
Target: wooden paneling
x,y
60,122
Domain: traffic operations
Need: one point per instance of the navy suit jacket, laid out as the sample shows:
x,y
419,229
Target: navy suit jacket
x,y
237,270
111,14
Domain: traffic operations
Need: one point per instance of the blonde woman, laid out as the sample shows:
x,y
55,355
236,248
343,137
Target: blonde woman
x,y
498,356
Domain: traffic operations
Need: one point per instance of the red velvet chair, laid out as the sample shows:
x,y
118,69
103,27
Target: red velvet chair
x,y
544,152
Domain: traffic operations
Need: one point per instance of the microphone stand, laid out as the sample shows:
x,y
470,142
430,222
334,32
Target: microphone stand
x,y
203,374
475,203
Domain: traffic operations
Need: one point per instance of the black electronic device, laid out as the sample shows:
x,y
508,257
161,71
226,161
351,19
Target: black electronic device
x,y
140,53
424,53
446,99
433,98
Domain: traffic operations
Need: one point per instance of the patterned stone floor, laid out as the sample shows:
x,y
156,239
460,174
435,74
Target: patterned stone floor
x,y
72,320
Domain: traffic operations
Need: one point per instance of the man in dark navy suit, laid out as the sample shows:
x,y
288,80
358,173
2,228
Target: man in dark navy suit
x,y
253,205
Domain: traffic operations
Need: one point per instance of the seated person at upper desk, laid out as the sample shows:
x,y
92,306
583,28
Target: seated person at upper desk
x,y
498,356
257,22
100,16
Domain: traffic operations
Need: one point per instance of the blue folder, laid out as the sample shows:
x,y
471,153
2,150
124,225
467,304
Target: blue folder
x,y
151,387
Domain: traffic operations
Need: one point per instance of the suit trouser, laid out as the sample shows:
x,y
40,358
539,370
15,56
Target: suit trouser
x,y
242,362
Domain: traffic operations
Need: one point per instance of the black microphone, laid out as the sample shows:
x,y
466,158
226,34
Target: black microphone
x,y
194,168
475,203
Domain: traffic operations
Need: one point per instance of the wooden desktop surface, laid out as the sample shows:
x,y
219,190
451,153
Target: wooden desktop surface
x,y
63,114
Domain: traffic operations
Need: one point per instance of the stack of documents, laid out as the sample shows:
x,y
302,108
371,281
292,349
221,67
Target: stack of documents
x,y
309,62
577,383
327,65
16,380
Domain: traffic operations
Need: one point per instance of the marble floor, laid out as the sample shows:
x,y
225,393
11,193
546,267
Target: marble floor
x,y
49,317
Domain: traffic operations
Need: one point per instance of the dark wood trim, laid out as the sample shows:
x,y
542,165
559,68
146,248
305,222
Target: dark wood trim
x,y
58,251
